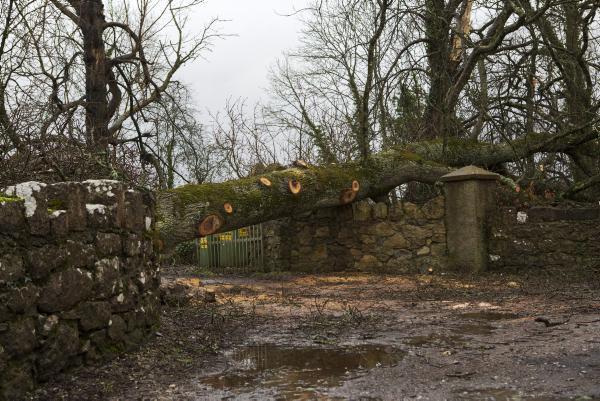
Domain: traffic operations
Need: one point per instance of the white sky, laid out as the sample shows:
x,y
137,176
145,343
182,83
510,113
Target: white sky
x,y
239,65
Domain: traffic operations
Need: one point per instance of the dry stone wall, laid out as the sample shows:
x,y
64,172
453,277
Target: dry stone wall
x,y
366,236
548,237
78,277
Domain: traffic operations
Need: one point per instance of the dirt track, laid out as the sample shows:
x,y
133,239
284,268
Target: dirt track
x,y
363,337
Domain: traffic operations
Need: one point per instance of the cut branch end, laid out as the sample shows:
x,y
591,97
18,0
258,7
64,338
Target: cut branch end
x,y
300,163
210,225
295,187
265,181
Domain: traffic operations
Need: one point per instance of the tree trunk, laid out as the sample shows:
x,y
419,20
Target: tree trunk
x,y
438,119
92,21
183,210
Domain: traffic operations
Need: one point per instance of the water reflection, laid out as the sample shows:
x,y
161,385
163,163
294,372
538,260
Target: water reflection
x,y
299,372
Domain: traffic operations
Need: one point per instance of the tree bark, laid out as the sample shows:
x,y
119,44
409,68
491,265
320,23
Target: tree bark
x,y
92,22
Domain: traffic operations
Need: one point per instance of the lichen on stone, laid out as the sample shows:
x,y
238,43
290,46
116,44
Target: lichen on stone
x,y
93,208
26,191
55,213
9,199
56,204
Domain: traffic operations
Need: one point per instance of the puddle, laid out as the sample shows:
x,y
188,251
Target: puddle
x,y
481,322
477,324
297,373
489,316
435,339
473,329
500,394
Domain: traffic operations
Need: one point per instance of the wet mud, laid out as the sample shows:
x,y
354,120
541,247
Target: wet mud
x,y
362,337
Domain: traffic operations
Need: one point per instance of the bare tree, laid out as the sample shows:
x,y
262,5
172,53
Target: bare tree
x,y
338,87
88,76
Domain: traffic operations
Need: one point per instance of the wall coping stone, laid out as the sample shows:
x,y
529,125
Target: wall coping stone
x,y
469,173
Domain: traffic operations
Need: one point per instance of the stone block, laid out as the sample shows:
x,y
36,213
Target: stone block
x,y
59,223
117,329
65,289
80,254
322,232
396,212
367,262
396,241
11,268
94,315
34,195
16,380
134,320
417,236
382,229
368,239
5,313
21,300
401,262
60,346
126,298
304,236
12,215
362,211
71,197
66,276
105,192
46,324
44,260
319,253
434,209
99,338
132,245
108,244
380,211
423,251
412,211
20,338
99,215
356,253
106,276
135,211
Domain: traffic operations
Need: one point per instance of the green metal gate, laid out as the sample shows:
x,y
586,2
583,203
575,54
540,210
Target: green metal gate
x,y
239,250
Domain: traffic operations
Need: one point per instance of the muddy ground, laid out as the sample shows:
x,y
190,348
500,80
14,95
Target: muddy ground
x,y
362,337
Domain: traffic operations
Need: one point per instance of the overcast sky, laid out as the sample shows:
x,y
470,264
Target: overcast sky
x,y
238,65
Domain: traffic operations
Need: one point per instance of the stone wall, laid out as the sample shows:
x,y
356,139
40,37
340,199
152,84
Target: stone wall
x,y
366,236
556,238
78,277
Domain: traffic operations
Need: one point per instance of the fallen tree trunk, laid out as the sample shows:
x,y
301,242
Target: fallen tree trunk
x,y
192,211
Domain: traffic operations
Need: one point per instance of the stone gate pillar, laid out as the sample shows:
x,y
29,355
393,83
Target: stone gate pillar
x,y
469,198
